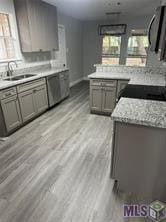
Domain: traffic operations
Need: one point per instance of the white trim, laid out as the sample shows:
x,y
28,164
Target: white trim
x,y
76,82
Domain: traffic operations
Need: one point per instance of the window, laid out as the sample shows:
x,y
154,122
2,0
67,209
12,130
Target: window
x,y
137,48
7,42
111,50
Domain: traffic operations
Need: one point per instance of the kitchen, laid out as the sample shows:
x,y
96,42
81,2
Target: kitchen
x,y
82,109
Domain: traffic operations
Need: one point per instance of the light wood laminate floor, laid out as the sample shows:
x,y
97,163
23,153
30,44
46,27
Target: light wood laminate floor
x,y
56,168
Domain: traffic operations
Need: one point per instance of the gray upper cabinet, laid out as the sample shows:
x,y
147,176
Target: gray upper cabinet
x,y
37,25
11,113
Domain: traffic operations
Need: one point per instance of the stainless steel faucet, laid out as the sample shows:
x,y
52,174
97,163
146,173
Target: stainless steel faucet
x,y
9,68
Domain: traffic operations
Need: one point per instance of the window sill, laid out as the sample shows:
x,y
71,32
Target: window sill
x,y
10,60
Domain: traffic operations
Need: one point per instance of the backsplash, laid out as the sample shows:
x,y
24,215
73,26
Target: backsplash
x,y
130,69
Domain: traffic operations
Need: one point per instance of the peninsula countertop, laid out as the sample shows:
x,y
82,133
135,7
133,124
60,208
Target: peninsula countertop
x,y
138,111
37,75
134,78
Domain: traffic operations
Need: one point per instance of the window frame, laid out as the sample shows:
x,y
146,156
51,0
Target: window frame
x,y
137,56
13,37
109,56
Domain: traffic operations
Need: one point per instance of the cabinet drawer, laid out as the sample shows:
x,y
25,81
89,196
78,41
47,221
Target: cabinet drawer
x,y
6,93
30,85
100,82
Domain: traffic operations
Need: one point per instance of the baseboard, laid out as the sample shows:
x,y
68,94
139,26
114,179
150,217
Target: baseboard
x,y
76,82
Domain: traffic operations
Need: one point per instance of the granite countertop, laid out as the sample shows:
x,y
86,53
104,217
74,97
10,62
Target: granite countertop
x,y
138,111
37,75
141,112
134,79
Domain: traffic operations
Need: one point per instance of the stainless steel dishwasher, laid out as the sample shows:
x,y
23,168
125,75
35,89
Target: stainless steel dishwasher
x,y
54,89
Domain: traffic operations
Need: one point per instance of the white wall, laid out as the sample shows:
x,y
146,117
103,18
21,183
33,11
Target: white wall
x,y
92,42
74,43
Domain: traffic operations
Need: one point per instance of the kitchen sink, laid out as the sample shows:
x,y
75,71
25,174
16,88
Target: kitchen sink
x,y
16,78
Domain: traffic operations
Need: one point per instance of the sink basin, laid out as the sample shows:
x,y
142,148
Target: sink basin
x,y
16,78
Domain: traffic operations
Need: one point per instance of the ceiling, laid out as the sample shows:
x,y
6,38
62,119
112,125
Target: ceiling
x,y
96,9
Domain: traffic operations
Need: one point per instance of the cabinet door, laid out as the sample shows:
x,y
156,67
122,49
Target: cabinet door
x,y
27,105
108,99
11,113
96,98
51,26
23,25
36,24
67,88
62,85
40,99
121,85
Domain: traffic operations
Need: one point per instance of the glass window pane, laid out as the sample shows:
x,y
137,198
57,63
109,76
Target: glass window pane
x,y
137,49
3,53
138,45
4,25
7,49
111,45
111,50
110,61
136,62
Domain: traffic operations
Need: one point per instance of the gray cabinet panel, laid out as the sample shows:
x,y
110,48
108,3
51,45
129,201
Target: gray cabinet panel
x,y
51,23
138,161
96,98
108,99
11,113
40,99
27,105
121,85
36,22
23,25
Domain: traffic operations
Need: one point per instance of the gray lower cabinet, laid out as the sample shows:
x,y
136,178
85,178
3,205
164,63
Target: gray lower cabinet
x,y
33,101
64,84
40,99
108,99
138,160
96,98
27,105
22,103
11,113
102,96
